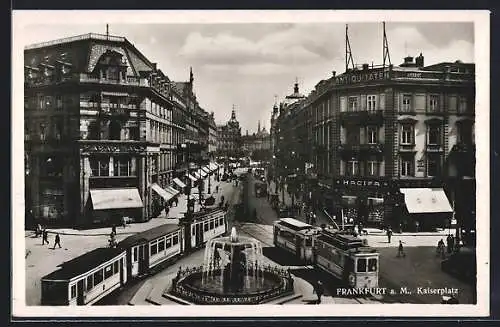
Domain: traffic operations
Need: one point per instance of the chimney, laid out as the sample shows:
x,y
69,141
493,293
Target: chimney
x,y
154,65
420,61
334,73
365,66
408,60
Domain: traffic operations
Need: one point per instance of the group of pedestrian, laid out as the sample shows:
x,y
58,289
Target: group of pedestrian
x,y
311,218
45,238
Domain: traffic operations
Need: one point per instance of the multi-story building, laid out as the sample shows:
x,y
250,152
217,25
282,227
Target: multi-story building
x,y
212,136
103,129
259,141
229,137
391,145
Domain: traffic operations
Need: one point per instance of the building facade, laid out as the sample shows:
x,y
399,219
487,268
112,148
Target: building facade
x,y
102,126
229,137
390,145
259,141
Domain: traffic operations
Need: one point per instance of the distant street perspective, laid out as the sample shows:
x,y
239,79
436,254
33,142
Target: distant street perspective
x,y
360,191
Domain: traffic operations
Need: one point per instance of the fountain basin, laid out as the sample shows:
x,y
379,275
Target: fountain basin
x,y
191,286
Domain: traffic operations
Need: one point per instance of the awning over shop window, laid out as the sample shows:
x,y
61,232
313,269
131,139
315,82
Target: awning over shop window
x,y
179,183
213,166
203,173
172,191
206,169
426,200
192,178
197,174
115,198
162,192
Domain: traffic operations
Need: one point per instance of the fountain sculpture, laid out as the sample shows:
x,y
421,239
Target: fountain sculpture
x,y
233,272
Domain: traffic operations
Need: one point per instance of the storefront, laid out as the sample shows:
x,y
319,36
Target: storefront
x,y
112,205
426,209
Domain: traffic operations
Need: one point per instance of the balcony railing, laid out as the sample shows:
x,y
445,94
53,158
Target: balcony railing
x,y
130,80
114,111
365,117
375,148
464,147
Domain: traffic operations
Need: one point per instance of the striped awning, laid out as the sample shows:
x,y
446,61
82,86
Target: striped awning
x,y
196,174
115,94
162,192
172,191
115,198
206,169
179,183
202,173
192,178
213,166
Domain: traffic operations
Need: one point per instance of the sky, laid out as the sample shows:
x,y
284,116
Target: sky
x,y
249,65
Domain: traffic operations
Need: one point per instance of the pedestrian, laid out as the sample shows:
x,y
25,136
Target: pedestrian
x,y
319,289
217,189
401,252
440,249
351,220
448,243
313,219
167,210
57,241
389,234
113,229
38,230
45,236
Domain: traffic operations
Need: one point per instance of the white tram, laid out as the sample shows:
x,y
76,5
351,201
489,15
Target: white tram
x,y
296,237
85,279
347,258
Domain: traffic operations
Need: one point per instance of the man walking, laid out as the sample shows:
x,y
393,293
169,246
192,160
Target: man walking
x,y
319,290
57,241
401,252
45,236
389,234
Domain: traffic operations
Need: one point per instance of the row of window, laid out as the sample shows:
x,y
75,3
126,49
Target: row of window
x,y
366,265
163,243
122,166
98,277
408,103
432,166
209,225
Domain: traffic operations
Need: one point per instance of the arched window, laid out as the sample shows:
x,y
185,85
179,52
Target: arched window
x,y
115,129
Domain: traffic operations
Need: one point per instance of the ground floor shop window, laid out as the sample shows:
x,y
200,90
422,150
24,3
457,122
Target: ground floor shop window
x,y
350,210
375,209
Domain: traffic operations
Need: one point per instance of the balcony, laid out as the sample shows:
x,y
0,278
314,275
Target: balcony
x,y
112,146
120,111
362,118
361,149
130,80
464,148
434,148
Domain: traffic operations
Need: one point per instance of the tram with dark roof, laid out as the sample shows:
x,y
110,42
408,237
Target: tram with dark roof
x,y
86,279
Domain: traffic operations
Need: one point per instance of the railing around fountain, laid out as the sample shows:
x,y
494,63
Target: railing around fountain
x,y
199,296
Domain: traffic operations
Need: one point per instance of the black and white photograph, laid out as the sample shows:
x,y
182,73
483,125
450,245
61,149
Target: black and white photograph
x,y
310,163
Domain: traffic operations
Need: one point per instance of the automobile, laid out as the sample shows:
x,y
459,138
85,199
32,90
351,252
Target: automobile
x,y
461,264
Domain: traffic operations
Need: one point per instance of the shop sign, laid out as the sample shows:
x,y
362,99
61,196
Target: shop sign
x,y
373,75
361,182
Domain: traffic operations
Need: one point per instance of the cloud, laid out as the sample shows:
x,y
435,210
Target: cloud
x,y
294,46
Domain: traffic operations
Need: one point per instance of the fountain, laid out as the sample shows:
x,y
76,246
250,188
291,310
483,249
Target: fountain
x,y
233,272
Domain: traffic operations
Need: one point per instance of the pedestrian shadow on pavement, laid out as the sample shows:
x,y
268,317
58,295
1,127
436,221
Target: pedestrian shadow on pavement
x,y
281,257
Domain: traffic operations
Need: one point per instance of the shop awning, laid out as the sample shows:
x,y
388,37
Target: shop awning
x,y
213,166
179,183
115,198
203,173
162,192
206,169
172,191
192,178
426,200
197,174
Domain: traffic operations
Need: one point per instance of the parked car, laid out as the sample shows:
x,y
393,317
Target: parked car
x,y
461,264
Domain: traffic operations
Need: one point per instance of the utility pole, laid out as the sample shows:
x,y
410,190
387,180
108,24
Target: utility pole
x,y
348,52
385,50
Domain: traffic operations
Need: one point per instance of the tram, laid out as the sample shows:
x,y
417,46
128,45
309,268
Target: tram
x,y
339,254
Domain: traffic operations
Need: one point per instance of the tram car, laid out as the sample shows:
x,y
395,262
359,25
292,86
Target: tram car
x,y
92,276
340,254
347,258
86,279
296,237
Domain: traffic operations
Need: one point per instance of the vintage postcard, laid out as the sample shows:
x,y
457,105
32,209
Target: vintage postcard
x,y
203,163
